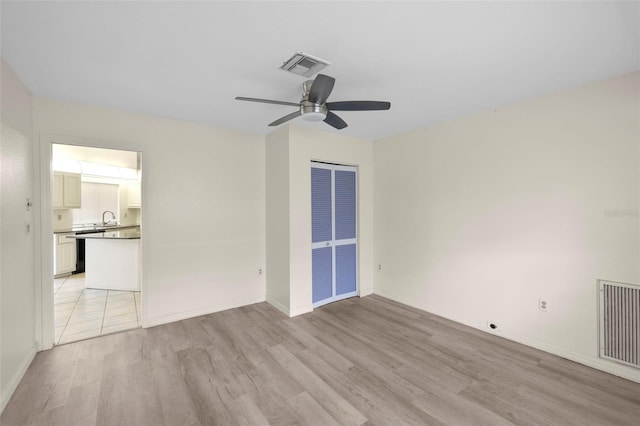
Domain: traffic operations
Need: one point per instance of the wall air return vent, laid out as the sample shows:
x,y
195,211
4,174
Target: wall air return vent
x,y
620,322
304,64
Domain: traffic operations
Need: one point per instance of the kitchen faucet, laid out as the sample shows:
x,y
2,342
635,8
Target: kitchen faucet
x,y
113,216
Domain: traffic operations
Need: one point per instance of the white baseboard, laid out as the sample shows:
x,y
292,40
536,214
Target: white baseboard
x,y
18,374
279,306
288,311
610,367
300,310
179,316
365,292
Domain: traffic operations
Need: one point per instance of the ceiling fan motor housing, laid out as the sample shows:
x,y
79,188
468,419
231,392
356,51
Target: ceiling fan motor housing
x,y
311,111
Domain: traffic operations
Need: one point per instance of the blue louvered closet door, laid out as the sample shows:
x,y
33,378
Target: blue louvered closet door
x,y
333,237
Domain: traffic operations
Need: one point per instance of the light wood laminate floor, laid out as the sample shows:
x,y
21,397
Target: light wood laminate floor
x,y
358,361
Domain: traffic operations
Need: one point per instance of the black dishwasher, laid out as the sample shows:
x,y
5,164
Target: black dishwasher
x,y
80,247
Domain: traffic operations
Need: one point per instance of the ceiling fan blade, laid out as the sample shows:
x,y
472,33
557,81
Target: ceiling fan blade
x,y
321,89
286,118
335,121
358,106
266,101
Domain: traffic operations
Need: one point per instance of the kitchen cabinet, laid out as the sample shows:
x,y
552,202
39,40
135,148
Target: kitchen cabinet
x,y
67,190
64,253
56,197
134,195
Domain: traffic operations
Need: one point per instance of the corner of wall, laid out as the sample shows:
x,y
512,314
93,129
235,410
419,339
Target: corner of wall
x,y
366,291
279,306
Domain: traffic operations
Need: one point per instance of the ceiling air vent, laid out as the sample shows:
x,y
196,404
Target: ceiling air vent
x,y
304,64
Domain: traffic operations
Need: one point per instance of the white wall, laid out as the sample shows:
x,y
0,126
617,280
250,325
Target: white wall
x,y
17,293
277,217
478,218
308,145
203,195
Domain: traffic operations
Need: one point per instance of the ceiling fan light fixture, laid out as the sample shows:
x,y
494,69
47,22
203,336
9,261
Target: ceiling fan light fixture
x,y
313,112
314,116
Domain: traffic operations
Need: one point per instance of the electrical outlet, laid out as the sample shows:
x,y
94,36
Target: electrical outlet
x,y
379,266
259,271
543,305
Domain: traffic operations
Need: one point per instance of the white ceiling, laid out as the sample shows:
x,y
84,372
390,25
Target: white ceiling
x,y
434,61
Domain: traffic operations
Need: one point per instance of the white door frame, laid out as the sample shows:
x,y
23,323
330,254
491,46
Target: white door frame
x,y
45,321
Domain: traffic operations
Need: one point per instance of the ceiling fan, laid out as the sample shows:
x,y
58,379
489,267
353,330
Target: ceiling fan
x,y
314,106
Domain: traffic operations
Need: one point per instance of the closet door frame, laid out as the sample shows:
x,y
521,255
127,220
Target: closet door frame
x,y
333,243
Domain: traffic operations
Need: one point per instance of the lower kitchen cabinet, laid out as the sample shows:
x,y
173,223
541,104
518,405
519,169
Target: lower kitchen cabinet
x,y
64,252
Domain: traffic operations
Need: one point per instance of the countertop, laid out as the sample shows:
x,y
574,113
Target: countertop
x,y
94,228
122,234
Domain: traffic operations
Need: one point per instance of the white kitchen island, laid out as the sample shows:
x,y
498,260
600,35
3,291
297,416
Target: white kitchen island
x,y
112,260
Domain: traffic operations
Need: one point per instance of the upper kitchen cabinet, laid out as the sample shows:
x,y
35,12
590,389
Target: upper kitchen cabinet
x,y
67,190
135,197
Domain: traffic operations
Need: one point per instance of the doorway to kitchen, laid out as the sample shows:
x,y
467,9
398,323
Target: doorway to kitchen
x,y
96,207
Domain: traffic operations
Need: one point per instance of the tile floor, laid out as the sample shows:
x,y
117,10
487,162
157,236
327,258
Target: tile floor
x,y
83,313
